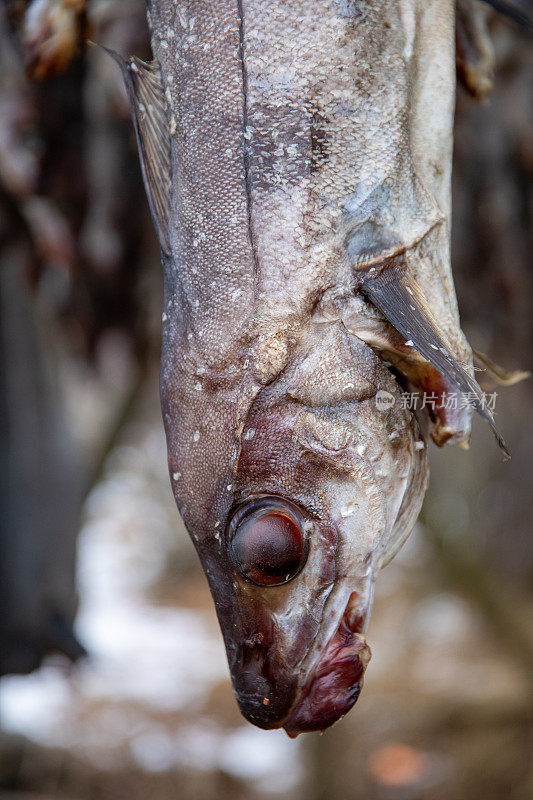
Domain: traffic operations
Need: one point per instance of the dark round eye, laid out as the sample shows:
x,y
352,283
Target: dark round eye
x,y
267,541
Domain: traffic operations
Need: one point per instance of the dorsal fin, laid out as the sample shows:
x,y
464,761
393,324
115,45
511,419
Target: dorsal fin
x,y
149,112
400,300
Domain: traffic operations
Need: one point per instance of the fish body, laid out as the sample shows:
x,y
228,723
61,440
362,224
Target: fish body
x,y
297,161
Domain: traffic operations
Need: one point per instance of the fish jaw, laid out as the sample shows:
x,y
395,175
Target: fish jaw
x,y
323,687
335,682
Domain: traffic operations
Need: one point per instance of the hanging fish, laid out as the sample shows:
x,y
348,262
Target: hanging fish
x,y
297,161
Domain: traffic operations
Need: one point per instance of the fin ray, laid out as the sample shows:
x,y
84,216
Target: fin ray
x,y
399,298
149,112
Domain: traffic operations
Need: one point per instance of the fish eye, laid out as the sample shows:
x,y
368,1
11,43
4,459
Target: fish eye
x,y
267,541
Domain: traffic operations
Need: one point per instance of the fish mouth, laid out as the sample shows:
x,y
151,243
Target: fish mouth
x,y
335,682
328,692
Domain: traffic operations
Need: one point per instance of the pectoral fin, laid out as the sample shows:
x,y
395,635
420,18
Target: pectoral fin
x,y
397,296
149,112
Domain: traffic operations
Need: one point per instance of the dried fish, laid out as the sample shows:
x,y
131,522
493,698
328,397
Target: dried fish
x,y
297,161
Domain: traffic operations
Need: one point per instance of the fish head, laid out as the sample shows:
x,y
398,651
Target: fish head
x,y
326,482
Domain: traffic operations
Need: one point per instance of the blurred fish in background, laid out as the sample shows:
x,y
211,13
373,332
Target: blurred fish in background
x,y
448,706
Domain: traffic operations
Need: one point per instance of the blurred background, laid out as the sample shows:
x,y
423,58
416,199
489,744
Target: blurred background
x,y
115,682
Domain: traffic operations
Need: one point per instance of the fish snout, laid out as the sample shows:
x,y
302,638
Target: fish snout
x,y
265,695
264,687
264,711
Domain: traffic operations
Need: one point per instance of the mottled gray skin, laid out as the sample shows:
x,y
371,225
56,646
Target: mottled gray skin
x,y
310,139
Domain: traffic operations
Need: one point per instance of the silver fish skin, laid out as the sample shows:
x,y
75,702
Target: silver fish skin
x,y
297,160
